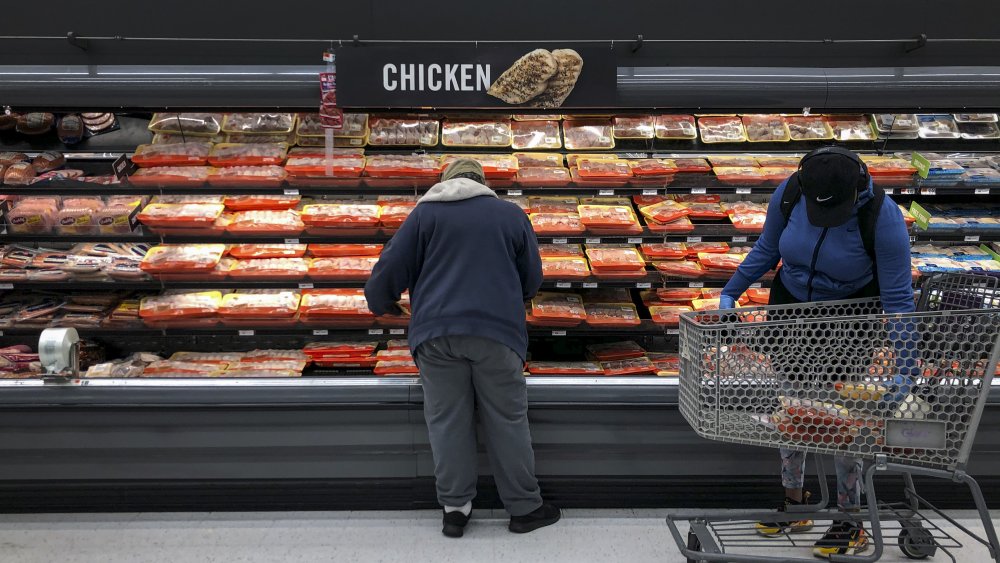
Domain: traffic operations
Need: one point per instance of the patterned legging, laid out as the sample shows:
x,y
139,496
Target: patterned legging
x,y
849,473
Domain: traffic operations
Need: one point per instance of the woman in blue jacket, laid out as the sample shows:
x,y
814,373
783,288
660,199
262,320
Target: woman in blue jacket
x,y
817,224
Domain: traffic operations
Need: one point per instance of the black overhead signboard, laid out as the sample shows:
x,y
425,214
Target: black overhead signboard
x,y
470,76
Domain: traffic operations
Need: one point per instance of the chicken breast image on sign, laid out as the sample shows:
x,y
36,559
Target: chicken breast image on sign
x,y
561,84
526,79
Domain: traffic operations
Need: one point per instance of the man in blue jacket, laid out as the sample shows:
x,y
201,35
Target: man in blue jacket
x,y
836,238
470,261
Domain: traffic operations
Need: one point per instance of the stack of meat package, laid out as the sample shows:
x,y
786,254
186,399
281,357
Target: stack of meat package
x,y
395,360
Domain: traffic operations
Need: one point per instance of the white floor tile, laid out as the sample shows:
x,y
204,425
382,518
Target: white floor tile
x,y
583,536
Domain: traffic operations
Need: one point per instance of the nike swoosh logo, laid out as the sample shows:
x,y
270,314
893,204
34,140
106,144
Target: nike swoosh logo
x,y
824,199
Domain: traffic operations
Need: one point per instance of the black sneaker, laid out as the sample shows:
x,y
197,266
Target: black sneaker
x,y
843,538
454,524
779,528
544,515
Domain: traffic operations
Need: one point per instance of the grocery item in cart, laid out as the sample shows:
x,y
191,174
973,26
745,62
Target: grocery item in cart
x,y
536,135
564,267
170,258
586,134
195,124
808,128
260,176
675,127
721,130
247,154
277,222
850,128
410,132
270,268
938,126
342,268
170,175
612,315
259,123
458,133
766,128
634,127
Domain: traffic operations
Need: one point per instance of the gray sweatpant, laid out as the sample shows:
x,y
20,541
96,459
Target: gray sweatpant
x,y
458,373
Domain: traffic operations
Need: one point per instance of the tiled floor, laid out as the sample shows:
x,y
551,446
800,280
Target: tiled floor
x,y
632,536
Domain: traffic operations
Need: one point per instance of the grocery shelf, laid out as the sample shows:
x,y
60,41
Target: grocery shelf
x,y
960,235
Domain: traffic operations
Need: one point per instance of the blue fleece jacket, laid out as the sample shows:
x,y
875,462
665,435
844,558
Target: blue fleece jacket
x,y
826,264
469,266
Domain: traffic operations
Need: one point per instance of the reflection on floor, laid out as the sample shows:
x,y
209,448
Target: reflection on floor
x,y
633,536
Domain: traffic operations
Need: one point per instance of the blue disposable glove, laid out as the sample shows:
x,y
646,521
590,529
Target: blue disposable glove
x,y
727,302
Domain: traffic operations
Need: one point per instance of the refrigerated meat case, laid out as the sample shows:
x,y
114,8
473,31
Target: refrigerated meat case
x,y
349,439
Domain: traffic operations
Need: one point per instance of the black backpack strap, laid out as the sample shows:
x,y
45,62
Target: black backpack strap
x,y
791,196
868,221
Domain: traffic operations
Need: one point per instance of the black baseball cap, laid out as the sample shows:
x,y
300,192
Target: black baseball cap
x,y
831,179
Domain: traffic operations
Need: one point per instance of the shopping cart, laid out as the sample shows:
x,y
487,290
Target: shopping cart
x,y
905,392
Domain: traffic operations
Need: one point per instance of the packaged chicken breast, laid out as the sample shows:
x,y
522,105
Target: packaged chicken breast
x,y
536,135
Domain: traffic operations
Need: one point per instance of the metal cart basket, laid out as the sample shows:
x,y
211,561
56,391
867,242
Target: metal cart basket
x,y
904,392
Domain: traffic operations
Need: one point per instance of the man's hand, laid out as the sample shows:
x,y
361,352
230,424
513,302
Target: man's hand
x,y
395,310
727,302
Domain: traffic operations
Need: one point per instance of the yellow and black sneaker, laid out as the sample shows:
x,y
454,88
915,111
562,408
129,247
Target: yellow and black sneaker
x,y
782,527
843,538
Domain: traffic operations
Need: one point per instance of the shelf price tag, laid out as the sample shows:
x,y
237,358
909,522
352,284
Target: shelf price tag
x,y
649,192
643,285
558,333
514,192
907,191
321,332
928,191
122,167
589,285
605,192
982,191
560,241
971,238
291,241
694,239
756,285
698,191
593,241
744,191
563,285
291,192
633,240
6,286
397,331
696,284
306,286
246,332
889,191
673,331
739,239
375,331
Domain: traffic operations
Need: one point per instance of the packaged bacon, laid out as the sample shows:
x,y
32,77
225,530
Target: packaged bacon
x,y
174,154
270,268
342,268
169,258
536,135
612,315
260,303
565,268
284,222
758,295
